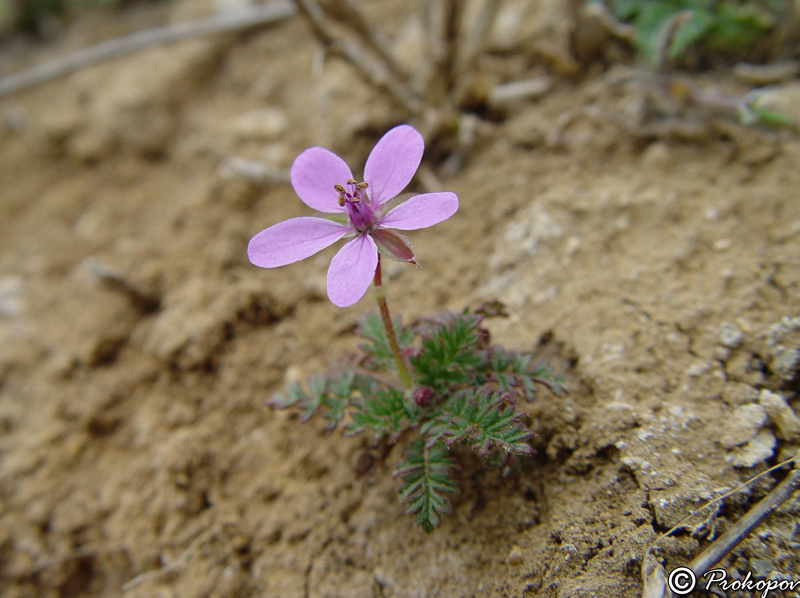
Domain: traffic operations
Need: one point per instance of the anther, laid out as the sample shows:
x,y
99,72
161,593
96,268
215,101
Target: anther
x,y
341,200
351,181
361,186
339,189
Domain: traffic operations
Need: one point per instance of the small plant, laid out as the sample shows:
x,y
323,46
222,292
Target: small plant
x,y
439,378
669,28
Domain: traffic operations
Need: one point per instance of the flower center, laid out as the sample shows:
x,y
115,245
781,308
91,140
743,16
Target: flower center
x,y
356,200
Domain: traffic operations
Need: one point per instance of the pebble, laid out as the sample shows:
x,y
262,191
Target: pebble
x,y
785,363
781,414
744,423
722,353
697,369
780,330
515,557
738,393
730,335
758,450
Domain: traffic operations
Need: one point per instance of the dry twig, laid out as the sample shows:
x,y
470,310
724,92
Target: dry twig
x,y
373,71
652,574
766,74
525,89
450,53
742,528
371,36
252,16
475,38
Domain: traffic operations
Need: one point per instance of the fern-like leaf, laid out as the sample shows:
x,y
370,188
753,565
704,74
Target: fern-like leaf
x,y
482,419
450,351
382,411
517,373
328,396
426,474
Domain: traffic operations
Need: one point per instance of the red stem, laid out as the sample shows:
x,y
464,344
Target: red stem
x,y
402,371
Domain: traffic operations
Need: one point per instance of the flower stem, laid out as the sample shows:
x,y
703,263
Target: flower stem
x,y
380,296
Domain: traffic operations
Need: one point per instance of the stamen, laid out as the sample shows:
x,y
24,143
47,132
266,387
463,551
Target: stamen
x,y
361,186
351,181
341,200
339,189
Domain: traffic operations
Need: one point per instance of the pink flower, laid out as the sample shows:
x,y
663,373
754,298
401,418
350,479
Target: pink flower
x,y
324,182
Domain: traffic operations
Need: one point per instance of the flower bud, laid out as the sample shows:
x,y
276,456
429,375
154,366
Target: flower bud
x,y
423,396
393,246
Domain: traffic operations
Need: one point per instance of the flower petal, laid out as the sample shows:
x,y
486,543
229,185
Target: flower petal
x,y
313,175
392,163
421,211
351,271
293,240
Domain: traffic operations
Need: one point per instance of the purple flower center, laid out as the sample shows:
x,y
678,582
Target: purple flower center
x,y
354,197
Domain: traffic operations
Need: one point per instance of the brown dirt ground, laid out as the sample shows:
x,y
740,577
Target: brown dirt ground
x,y
659,272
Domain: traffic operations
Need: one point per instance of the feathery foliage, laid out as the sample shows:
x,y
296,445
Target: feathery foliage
x,y
327,396
465,391
448,356
483,419
384,412
427,473
518,373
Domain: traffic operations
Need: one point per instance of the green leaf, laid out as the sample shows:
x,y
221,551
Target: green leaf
x,y
484,420
738,27
381,412
450,352
729,25
690,32
517,373
327,395
649,23
426,473
626,9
